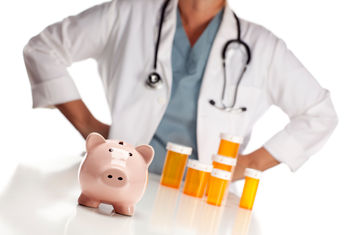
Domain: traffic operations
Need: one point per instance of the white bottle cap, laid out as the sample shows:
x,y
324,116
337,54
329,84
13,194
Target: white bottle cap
x,y
231,138
200,166
225,175
179,148
253,173
224,160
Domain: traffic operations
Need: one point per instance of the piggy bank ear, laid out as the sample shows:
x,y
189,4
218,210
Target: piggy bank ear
x,y
147,153
93,140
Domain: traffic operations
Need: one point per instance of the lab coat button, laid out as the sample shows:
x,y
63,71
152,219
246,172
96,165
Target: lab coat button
x,y
161,100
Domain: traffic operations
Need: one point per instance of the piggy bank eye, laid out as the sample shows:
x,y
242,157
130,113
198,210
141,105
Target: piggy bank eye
x,y
111,150
130,154
121,142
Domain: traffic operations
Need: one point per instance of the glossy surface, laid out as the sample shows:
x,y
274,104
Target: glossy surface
x,y
174,168
195,182
227,148
216,191
221,166
113,172
41,198
249,193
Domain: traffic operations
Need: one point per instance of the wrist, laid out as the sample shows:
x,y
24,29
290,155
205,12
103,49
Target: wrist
x,y
82,119
84,125
94,125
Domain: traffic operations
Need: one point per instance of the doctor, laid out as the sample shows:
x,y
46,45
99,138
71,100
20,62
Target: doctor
x,y
182,71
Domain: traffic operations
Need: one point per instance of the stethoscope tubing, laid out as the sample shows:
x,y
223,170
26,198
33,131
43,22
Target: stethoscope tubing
x,y
154,79
163,9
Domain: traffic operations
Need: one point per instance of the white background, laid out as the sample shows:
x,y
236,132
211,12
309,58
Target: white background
x,y
314,200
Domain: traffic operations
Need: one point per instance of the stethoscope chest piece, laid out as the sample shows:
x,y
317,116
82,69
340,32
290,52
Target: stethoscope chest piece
x,y
154,80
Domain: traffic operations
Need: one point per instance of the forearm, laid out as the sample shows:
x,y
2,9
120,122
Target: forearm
x,y
260,159
82,119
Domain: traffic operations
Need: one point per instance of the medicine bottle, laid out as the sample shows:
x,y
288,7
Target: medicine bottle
x,y
175,164
250,187
219,180
197,178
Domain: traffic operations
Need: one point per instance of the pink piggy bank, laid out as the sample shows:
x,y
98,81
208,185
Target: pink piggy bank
x,y
114,172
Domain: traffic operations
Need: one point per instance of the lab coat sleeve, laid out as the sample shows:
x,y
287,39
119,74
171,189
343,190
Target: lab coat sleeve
x,y
312,116
48,55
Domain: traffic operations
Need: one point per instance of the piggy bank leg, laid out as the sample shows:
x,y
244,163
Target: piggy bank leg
x,y
86,201
124,209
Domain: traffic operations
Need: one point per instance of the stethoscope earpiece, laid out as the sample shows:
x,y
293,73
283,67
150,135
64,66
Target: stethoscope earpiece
x,y
212,102
228,109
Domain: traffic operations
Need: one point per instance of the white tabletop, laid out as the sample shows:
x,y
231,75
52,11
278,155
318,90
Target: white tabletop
x,y
42,199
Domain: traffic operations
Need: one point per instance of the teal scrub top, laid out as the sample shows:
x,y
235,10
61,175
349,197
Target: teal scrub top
x,y
179,122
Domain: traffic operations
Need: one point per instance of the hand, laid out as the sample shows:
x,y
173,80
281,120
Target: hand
x,y
95,126
260,159
242,164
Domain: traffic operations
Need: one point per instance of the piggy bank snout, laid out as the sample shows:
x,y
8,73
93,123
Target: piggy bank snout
x,y
114,177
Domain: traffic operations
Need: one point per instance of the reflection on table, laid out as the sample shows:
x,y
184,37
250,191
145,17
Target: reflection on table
x,y
242,222
42,199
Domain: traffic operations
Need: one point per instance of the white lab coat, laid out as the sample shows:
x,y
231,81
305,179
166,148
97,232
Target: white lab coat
x,y
120,35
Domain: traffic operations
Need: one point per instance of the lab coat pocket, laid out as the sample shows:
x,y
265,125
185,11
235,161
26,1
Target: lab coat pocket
x,y
213,121
255,102
251,99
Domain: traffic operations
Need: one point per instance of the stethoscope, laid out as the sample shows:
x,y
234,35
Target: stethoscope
x,y
154,79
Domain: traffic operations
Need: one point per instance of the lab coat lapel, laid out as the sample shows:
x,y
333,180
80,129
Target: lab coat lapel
x,y
164,67
210,121
143,111
166,43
